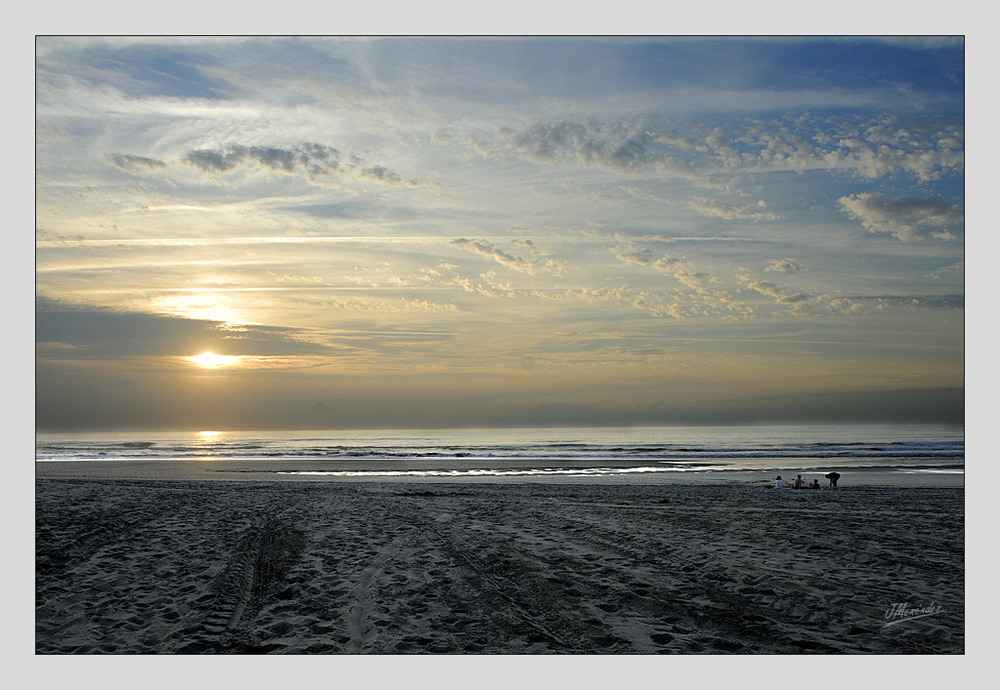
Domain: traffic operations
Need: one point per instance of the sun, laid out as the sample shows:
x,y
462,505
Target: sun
x,y
210,360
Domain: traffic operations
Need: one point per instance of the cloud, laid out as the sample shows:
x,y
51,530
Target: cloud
x,y
628,252
380,173
489,250
905,218
516,263
88,332
695,280
642,257
791,266
780,295
869,149
753,212
132,164
309,159
958,267
618,148
657,305
530,246
802,303
385,307
706,296
667,264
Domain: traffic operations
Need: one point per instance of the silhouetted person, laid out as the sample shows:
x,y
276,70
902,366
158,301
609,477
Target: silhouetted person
x,y
797,484
833,477
815,484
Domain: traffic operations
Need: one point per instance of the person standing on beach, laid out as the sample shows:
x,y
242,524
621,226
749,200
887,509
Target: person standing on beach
x,y
833,477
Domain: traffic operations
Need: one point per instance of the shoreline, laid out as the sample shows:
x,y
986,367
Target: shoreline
x,y
591,472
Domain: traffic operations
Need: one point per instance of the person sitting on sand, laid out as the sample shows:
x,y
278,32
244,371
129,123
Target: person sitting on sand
x,y
797,484
815,484
833,477
777,482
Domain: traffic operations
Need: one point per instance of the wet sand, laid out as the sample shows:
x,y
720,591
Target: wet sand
x,y
332,567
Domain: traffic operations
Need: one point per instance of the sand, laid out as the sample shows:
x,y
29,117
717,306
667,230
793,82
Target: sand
x,y
323,567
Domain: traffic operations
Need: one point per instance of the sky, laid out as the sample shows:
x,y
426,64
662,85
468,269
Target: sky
x,y
271,233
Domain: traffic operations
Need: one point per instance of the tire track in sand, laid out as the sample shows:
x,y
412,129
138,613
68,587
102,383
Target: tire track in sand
x,y
260,560
502,584
359,626
505,594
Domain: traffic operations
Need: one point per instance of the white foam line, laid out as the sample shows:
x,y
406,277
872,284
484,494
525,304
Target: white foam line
x,y
497,472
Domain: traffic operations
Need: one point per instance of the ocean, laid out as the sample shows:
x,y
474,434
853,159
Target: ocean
x,y
533,452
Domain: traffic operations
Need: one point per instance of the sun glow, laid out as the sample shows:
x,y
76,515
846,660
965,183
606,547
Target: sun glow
x,y
210,360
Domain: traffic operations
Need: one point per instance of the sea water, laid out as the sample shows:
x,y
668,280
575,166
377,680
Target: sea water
x,y
536,452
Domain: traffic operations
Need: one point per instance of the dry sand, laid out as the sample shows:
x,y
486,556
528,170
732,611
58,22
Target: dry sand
x,y
147,566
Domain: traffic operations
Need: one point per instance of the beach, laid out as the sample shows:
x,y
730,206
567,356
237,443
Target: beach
x,y
200,565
